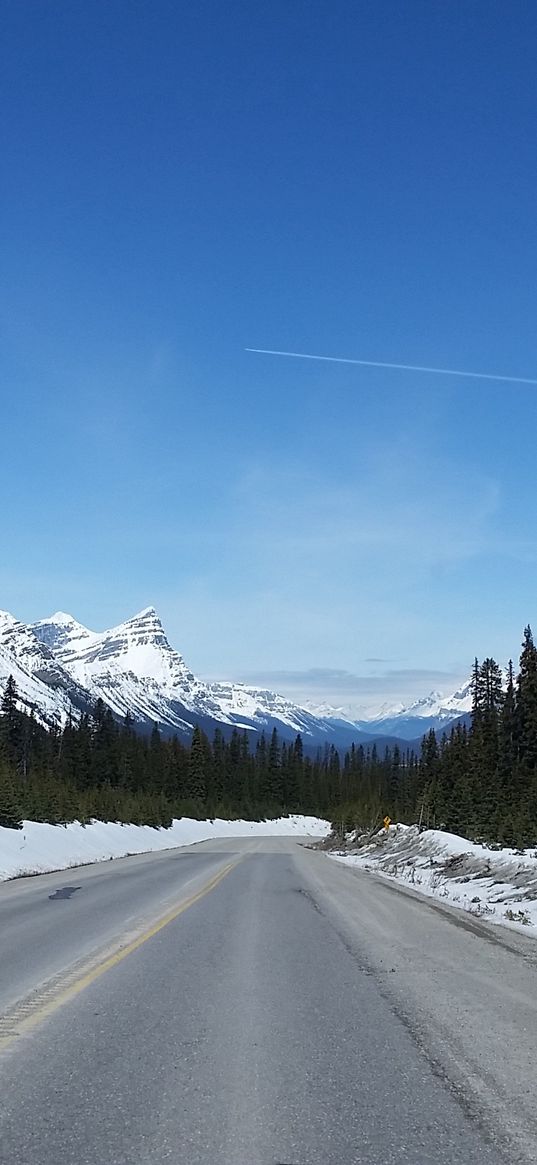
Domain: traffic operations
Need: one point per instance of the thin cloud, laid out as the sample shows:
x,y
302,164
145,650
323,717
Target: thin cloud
x,y
354,695
328,679
378,659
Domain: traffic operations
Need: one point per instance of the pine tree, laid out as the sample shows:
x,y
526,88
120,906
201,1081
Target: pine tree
x,y
157,771
10,803
218,767
274,789
430,772
526,703
233,771
293,775
11,732
261,766
525,775
507,762
197,780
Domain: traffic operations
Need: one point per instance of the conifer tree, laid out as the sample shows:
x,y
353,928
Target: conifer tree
x,y
11,734
197,778
10,805
218,766
274,775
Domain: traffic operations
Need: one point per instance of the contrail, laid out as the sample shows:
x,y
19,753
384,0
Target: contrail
x,y
400,367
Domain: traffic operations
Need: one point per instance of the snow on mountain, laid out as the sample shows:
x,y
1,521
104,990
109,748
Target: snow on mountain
x,y
42,685
132,667
407,721
346,714
384,712
460,702
240,702
432,711
61,667
435,704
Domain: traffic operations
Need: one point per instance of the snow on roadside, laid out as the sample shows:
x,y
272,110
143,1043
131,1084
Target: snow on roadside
x,y
499,885
38,848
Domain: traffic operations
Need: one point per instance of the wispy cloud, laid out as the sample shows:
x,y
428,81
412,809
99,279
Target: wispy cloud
x,y
354,692
325,678
377,659
365,566
396,502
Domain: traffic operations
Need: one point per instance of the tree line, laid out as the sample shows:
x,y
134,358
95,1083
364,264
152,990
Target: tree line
x,y
479,779
97,768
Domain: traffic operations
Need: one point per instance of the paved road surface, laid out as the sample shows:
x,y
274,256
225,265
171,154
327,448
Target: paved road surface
x,y
49,922
297,1012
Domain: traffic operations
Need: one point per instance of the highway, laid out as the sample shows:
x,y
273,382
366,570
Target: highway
x,y
255,1003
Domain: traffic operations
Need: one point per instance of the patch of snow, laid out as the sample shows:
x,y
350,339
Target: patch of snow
x,y
499,885
39,848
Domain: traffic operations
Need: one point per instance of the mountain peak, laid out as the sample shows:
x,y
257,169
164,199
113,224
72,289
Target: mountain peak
x,y
7,619
148,615
60,617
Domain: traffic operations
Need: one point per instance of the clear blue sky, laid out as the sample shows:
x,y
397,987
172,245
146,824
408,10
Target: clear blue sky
x,y
356,179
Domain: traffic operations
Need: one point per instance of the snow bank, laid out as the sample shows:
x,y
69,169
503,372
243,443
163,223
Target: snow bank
x,y
38,848
497,884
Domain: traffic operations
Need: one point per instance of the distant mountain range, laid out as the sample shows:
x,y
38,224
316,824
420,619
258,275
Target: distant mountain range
x,y
61,668
432,711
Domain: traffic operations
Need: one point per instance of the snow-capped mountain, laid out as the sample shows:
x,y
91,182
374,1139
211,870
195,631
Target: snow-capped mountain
x,y
44,687
61,667
133,668
432,711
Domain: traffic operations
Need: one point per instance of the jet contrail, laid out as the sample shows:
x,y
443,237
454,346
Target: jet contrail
x,y
400,367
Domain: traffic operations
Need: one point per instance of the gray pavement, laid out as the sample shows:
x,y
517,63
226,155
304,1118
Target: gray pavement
x,y
51,922
298,1013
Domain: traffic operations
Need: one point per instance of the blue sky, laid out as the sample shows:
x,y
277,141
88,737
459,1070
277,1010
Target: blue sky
x,y
355,179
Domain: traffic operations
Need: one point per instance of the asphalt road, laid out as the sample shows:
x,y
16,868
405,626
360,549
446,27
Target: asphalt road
x,y
54,921
254,1003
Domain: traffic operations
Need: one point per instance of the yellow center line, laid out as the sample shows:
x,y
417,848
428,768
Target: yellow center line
x,y
30,1012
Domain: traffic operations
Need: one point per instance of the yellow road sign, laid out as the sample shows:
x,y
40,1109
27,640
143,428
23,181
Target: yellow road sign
x,y
387,822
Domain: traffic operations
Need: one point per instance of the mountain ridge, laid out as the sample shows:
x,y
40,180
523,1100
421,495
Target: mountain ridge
x,y
63,667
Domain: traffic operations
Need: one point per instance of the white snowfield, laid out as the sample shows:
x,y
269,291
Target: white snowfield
x,y
38,848
499,885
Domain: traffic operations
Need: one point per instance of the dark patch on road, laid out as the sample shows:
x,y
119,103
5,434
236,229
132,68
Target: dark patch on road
x,y
309,897
65,892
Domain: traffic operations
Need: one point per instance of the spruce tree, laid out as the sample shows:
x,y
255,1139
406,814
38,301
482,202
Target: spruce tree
x,y
274,785
430,772
507,762
526,703
525,775
10,803
218,766
197,778
11,731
